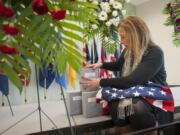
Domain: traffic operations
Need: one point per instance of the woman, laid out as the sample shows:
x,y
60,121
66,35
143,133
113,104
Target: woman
x,y
140,62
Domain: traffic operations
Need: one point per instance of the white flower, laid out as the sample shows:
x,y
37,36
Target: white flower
x,y
106,39
105,7
117,5
108,23
115,13
94,26
111,2
115,21
123,12
111,20
102,16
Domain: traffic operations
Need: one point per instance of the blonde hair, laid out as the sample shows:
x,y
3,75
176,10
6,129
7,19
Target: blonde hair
x,y
138,36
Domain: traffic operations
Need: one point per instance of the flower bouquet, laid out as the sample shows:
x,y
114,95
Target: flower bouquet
x,y
173,10
109,14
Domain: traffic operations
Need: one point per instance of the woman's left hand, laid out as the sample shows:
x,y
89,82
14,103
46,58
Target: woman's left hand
x,y
89,83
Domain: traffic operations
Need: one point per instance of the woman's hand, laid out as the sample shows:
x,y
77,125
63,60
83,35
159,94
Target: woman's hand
x,y
94,66
90,83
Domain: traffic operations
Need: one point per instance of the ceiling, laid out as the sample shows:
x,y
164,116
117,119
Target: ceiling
x,y
137,2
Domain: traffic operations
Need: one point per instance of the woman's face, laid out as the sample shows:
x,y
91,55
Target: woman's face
x,y
123,36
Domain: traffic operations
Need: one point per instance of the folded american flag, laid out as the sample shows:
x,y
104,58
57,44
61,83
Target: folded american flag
x,y
157,95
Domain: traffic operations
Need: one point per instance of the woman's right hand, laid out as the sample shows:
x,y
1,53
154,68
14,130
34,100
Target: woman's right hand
x,y
94,66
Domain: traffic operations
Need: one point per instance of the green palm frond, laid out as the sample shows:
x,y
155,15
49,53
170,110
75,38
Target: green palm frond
x,y
45,39
112,42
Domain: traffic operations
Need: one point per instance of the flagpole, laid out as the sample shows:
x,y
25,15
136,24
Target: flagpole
x,y
10,105
93,52
25,86
67,112
38,97
37,109
93,60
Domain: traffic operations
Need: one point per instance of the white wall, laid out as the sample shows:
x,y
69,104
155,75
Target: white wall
x,y
151,12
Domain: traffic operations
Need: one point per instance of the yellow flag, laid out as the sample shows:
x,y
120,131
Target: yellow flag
x,y
84,55
72,77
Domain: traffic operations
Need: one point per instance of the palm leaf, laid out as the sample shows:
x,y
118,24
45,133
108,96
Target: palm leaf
x,y
40,41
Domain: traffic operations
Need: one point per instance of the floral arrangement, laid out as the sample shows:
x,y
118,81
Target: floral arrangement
x,y
31,29
109,14
173,10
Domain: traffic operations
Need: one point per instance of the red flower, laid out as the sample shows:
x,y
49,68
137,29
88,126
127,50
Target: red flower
x,y
7,49
11,30
58,14
6,11
40,7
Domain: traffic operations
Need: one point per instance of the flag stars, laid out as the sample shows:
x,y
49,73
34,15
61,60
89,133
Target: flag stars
x,y
163,93
107,91
136,94
152,89
151,93
114,95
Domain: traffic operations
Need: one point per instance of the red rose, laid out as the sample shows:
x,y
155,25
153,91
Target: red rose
x,y
7,49
11,30
40,7
58,14
6,11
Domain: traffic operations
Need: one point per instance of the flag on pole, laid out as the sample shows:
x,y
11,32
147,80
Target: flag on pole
x,y
87,53
103,72
114,58
4,85
86,56
46,76
94,52
61,80
25,79
117,53
72,77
